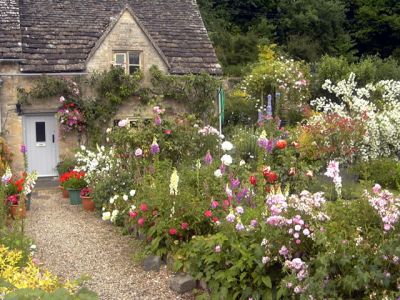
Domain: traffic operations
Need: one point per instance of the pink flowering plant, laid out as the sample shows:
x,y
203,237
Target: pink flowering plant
x,y
71,116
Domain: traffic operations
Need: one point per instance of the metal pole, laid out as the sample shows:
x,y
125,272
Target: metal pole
x,y
220,110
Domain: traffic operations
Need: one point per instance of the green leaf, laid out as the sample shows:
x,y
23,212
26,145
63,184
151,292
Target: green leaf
x,y
267,281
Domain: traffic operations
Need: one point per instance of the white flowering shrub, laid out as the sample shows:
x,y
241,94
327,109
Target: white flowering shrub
x,y
376,105
95,164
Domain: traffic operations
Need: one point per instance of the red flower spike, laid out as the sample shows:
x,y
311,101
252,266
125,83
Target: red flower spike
x,y
253,180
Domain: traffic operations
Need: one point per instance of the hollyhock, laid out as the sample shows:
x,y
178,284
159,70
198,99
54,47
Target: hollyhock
x,y
214,204
208,213
227,146
144,207
172,231
133,214
185,226
226,160
272,177
141,221
281,144
377,188
138,152
226,203
265,259
284,251
218,173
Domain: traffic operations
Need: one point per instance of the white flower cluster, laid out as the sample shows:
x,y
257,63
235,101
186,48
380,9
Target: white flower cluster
x,y
209,130
30,182
381,117
95,163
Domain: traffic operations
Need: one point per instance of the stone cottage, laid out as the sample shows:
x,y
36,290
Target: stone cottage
x,y
74,38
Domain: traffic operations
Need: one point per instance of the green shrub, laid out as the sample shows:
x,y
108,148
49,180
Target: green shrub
x,y
384,171
66,165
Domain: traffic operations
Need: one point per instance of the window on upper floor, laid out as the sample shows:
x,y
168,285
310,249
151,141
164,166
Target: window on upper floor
x,y
128,60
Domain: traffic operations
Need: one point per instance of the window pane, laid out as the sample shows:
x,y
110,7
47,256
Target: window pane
x,y
133,69
120,58
40,132
133,58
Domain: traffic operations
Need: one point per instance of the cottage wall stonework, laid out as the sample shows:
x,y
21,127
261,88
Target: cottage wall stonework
x,y
12,123
126,35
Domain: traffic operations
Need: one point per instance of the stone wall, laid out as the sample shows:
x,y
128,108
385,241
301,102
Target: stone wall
x,y
126,35
12,123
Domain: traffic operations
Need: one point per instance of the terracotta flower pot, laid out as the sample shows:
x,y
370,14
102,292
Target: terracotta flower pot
x,y
65,193
17,212
87,203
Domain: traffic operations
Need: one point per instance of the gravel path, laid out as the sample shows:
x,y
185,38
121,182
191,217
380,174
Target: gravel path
x,y
72,243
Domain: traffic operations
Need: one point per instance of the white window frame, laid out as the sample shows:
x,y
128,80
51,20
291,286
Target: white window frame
x,y
126,66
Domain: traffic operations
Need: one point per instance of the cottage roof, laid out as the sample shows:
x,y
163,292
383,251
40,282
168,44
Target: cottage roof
x,y
58,35
10,33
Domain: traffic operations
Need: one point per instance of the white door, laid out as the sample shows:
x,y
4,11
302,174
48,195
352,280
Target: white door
x,y
41,142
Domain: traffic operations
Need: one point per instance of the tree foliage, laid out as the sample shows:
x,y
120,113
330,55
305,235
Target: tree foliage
x,y
306,29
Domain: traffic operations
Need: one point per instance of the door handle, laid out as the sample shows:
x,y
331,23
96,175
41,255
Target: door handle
x,y
53,138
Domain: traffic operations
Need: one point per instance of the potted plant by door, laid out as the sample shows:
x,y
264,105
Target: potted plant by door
x,y
16,207
63,178
87,199
75,183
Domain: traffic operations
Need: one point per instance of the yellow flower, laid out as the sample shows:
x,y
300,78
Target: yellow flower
x,y
29,276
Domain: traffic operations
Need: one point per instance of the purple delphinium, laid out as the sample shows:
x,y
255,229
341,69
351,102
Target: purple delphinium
x,y
263,143
23,149
235,183
242,194
270,146
154,148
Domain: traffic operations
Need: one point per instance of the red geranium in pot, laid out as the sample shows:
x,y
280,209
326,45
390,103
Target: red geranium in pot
x,y
87,199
